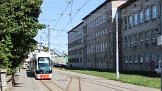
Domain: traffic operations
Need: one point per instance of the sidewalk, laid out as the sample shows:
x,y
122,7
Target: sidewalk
x,y
25,82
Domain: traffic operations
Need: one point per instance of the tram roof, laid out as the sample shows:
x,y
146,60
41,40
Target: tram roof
x,y
43,54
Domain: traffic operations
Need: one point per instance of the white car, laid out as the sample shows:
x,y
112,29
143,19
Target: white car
x,y
158,70
25,65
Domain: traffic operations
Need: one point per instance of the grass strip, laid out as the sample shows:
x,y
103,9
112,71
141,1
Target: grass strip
x,y
152,82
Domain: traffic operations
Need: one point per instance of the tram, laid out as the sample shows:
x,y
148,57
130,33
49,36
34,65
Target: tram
x,y
40,65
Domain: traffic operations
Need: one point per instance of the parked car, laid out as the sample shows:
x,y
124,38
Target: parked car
x,y
59,65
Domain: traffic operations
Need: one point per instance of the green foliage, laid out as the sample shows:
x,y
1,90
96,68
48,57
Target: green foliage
x,y
5,46
45,48
18,26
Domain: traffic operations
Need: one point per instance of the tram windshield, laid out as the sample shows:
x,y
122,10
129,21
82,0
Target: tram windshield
x,y
44,63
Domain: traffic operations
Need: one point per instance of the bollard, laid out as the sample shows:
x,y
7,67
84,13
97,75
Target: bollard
x,y
4,79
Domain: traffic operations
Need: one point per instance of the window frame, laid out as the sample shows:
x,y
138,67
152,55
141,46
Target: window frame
x,y
152,12
130,21
147,14
141,17
136,19
125,19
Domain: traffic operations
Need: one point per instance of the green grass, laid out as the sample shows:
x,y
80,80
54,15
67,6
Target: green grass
x,y
141,80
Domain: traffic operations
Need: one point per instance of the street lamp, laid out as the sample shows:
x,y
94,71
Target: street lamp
x,y
159,40
48,38
117,49
95,53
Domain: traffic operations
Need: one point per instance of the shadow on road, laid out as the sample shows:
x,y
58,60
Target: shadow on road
x,y
18,84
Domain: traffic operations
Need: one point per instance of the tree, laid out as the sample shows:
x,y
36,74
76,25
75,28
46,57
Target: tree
x,y
18,26
45,48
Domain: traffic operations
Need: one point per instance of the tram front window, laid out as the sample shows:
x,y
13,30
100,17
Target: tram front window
x,y
44,63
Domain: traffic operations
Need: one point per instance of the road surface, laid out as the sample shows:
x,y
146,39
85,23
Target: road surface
x,y
71,81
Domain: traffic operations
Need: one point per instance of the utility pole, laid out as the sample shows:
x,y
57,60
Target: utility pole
x,y
48,38
160,39
40,43
117,49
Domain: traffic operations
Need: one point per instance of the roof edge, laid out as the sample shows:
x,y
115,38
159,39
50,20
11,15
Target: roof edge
x,y
99,7
126,4
75,27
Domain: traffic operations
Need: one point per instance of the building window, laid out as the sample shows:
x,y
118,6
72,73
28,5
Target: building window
x,y
141,17
125,42
125,23
130,21
140,39
104,17
158,10
140,58
154,11
154,36
135,19
135,41
130,60
131,41
147,35
147,14
103,46
126,59
135,59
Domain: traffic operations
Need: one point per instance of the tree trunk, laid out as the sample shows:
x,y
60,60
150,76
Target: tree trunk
x,y
13,79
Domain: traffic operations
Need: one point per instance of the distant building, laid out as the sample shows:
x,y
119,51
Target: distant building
x,y
59,57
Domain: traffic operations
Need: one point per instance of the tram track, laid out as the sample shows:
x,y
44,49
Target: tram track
x,y
56,85
75,84
52,86
99,83
46,86
68,84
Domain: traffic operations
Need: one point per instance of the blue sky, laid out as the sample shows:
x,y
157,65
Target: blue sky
x,y
51,12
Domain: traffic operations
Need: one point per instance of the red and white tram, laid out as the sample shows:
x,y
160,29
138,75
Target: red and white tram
x,y
41,65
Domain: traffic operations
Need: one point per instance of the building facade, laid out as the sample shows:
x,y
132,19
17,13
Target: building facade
x,y
100,35
97,47
140,22
76,47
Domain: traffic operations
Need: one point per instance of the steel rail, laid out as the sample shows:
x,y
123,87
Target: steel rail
x,y
99,82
